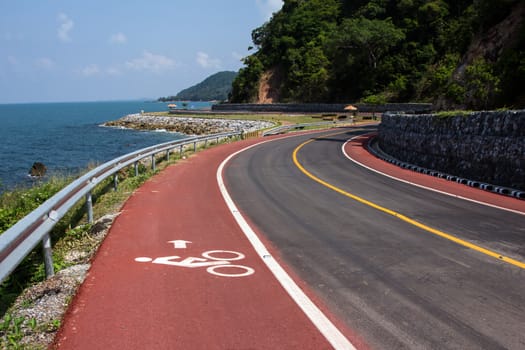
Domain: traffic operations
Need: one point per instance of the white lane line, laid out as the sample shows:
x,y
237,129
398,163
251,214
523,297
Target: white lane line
x,y
316,316
421,186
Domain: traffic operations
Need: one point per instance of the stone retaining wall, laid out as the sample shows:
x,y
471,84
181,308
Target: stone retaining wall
x,y
483,146
321,107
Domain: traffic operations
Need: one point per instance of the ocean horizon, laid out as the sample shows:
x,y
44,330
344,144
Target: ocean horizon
x,y
67,137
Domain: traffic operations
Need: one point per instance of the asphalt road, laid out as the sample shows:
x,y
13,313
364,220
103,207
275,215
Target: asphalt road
x,y
393,284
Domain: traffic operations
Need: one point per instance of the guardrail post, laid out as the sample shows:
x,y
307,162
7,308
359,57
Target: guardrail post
x,y
34,223
168,155
89,207
48,255
205,143
153,162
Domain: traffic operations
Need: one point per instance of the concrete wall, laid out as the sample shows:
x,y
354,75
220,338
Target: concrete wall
x,y
321,107
483,146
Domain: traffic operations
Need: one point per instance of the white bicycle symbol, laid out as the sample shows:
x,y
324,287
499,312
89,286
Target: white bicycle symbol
x,y
213,262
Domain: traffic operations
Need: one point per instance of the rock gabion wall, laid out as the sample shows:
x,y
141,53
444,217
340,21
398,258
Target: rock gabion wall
x,y
482,146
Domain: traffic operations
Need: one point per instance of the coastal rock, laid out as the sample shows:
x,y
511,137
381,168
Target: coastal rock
x,y
185,125
38,169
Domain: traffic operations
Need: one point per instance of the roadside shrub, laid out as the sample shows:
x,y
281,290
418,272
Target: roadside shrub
x,y
16,204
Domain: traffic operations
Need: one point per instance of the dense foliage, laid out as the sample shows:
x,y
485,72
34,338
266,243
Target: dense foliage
x,y
215,87
390,50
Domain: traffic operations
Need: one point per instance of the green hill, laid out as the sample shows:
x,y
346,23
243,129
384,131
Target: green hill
x,y
454,53
215,87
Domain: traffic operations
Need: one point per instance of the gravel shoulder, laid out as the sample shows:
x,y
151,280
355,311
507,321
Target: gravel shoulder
x,y
46,303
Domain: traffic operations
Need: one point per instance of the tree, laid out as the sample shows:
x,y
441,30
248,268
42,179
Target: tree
x,y
245,85
403,50
370,37
482,86
308,74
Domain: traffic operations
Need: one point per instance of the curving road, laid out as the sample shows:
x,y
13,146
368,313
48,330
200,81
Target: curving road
x,y
393,284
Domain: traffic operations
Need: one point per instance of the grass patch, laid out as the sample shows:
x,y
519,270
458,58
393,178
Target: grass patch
x,y
451,114
16,204
276,118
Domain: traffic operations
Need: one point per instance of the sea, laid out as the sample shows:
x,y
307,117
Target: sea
x,y
68,137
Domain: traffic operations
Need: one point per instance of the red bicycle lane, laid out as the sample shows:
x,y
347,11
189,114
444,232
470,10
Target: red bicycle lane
x,y
176,272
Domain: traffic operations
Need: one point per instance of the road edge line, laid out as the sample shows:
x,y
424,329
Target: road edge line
x,y
331,333
422,186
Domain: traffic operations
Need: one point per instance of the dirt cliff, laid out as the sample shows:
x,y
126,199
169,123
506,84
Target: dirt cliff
x,y
270,86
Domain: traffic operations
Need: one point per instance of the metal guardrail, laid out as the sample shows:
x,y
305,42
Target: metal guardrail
x,y
19,240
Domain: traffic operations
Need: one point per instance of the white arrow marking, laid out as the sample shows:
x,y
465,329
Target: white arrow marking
x,y
188,262
179,244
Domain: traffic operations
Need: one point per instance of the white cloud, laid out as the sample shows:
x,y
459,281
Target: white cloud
x,y
118,38
90,70
45,63
66,24
148,62
12,60
268,7
113,71
205,61
151,62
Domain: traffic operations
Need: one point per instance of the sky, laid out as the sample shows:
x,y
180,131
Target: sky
x,y
103,50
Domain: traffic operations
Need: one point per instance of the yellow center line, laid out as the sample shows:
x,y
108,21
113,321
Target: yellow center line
x,y
401,216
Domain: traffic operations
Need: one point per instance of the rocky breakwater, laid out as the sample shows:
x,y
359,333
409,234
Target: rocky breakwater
x,y
188,126
482,146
